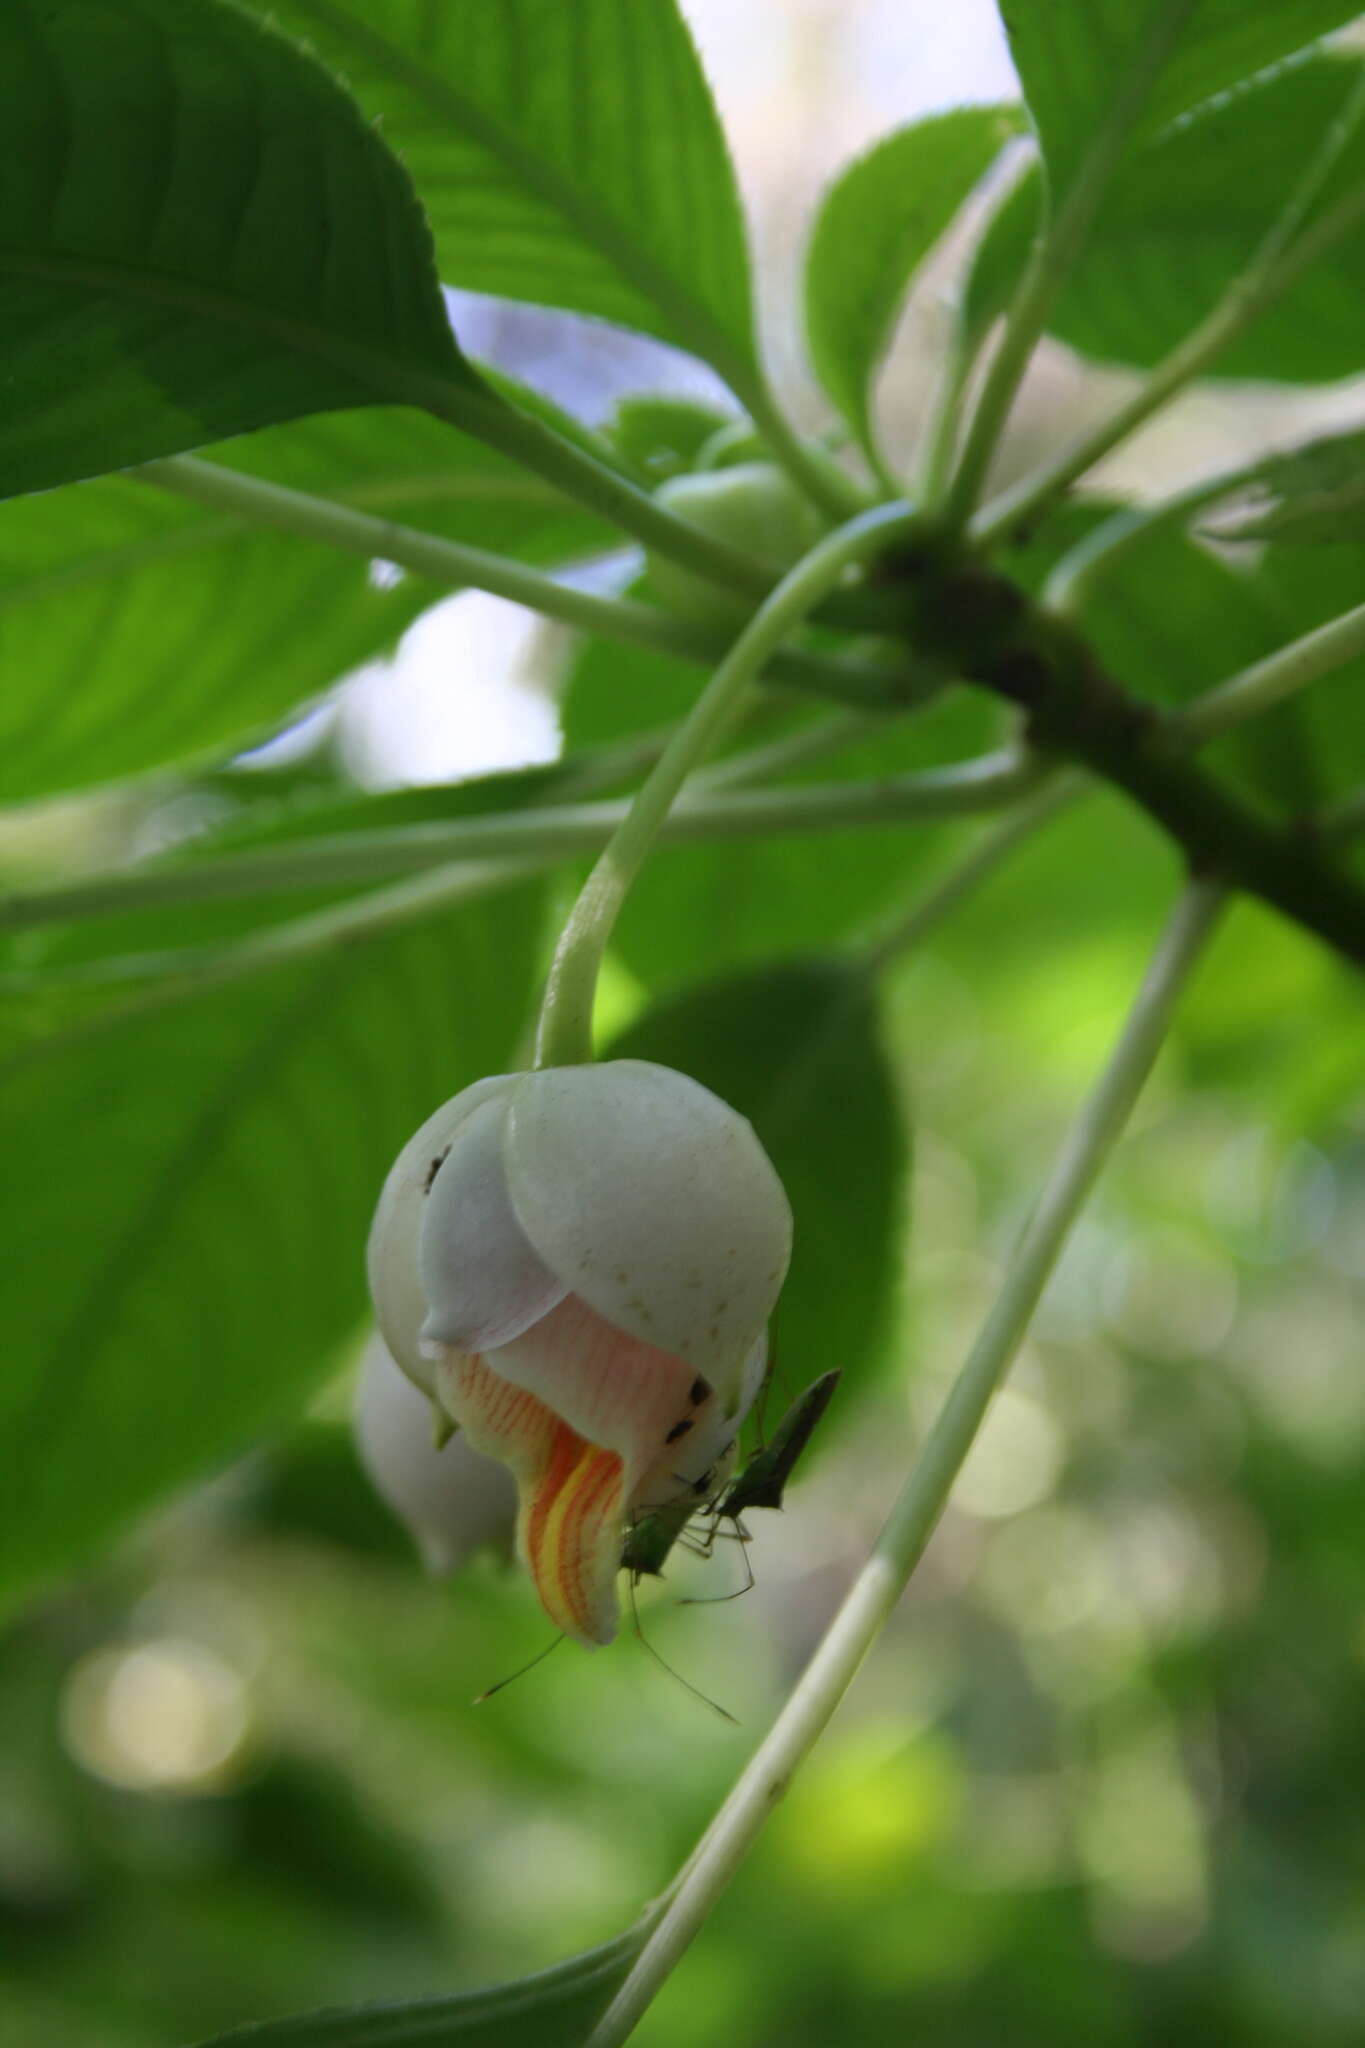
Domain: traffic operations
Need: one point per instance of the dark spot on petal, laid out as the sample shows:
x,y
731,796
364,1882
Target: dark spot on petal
x,y
435,1167
699,1391
678,1429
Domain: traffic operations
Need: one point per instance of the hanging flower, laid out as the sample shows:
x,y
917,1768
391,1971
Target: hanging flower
x,y
578,1265
452,1501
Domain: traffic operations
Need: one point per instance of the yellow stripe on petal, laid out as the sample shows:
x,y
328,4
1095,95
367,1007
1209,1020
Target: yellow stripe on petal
x,y
572,1538
569,1530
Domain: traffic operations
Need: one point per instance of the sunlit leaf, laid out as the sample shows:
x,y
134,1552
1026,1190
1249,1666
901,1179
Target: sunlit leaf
x,y
185,1254
661,436
1072,56
1314,494
876,224
137,630
569,155
1182,221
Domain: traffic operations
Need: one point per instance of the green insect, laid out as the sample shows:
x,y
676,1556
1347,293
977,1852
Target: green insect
x,y
761,1484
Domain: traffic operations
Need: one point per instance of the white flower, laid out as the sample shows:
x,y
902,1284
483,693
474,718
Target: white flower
x,y
453,1501
579,1265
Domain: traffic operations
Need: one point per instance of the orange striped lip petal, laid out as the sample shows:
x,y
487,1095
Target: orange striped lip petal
x,y
571,1537
570,1527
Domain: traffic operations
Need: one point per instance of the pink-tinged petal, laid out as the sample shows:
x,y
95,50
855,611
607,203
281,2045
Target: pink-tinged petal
x,y
702,1460
395,1285
611,1389
482,1280
569,1532
655,1202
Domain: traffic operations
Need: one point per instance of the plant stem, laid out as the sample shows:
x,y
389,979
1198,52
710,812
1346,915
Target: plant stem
x,y
565,1031
1266,683
993,847
191,971
1277,264
553,833
1053,255
874,1593
590,482
811,742
453,563
939,436
1073,578
821,480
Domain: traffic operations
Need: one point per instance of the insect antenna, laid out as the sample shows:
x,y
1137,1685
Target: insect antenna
x,y
686,1684
520,1672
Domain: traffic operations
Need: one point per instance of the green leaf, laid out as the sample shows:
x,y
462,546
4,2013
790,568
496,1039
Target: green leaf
x,y
1071,54
796,1048
1296,590
614,691
1314,494
1182,221
553,2009
660,436
199,234
1179,620
568,155
185,1242
876,224
137,630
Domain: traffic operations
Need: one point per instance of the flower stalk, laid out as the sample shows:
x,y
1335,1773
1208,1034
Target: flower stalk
x,y
565,1033
913,1517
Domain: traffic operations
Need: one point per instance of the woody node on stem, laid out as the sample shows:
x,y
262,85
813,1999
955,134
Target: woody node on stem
x,y
577,1265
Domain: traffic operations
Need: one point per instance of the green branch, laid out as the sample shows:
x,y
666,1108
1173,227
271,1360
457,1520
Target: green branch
x,y
981,627
1054,254
870,1600
456,565
545,836
1264,684
1073,579
564,1035
992,849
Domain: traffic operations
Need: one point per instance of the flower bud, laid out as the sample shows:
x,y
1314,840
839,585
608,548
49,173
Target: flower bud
x,y
754,507
452,1501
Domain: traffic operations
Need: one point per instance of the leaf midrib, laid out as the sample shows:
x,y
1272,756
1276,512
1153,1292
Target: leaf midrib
x,y
202,534
77,1347
391,378
630,258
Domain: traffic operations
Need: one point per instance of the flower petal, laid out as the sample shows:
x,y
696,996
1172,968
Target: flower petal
x,y
452,1500
655,1202
482,1280
702,1460
572,1507
609,1388
391,1256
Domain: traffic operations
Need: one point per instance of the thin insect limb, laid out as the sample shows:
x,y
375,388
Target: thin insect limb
x,y
719,1599
664,1664
521,1672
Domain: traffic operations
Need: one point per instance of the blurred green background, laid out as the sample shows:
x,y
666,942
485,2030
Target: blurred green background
x,y
1101,1781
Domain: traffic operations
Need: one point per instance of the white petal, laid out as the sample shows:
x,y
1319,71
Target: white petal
x,y
654,1200
701,1461
481,1279
611,1389
453,1501
395,1287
